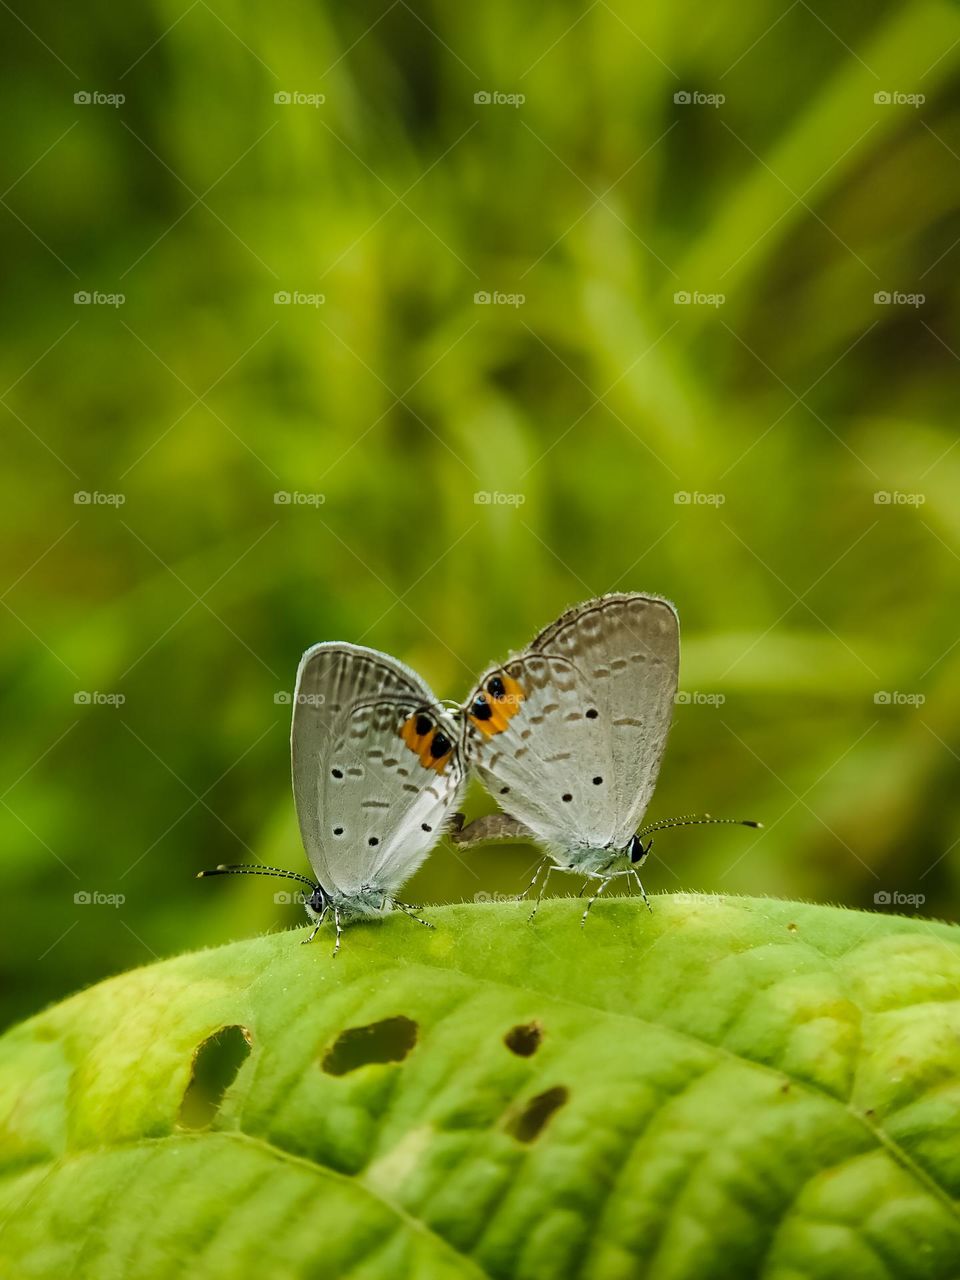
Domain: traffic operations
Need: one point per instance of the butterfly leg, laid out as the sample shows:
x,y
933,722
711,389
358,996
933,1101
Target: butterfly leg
x,y
536,877
336,921
409,909
315,929
603,885
643,892
543,885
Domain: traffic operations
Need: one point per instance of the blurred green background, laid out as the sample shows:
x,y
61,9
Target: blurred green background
x,y
821,663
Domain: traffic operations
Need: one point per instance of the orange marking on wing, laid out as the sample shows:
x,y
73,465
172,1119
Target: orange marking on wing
x,y
504,707
486,727
419,744
410,737
441,762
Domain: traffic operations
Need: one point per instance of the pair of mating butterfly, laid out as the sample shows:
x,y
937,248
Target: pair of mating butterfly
x,y
568,737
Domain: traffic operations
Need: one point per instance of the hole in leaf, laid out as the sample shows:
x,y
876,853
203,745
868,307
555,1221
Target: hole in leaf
x,y
387,1041
532,1120
216,1064
524,1039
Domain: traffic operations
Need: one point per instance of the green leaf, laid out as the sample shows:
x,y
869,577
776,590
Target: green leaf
x,y
726,1087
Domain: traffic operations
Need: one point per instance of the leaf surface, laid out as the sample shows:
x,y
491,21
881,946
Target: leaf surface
x,y
729,1086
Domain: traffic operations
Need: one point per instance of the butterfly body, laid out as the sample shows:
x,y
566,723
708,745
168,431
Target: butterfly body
x,y
376,765
365,904
571,746
376,769
568,736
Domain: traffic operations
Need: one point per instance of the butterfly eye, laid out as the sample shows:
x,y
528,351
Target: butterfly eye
x,y
481,709
496,687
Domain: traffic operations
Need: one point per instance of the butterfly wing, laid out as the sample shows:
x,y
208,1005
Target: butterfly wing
x,y
569,735
376,767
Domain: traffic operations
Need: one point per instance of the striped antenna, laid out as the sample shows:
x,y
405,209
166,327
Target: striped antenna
x,y
248,869
694,820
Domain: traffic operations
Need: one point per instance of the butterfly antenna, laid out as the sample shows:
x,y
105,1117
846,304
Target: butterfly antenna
x,y
249,869
694,820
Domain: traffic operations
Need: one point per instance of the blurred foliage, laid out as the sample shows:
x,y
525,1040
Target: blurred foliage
x,y
399,399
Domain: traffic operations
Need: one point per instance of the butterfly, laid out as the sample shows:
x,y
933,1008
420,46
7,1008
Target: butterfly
x,y
568,737
377,767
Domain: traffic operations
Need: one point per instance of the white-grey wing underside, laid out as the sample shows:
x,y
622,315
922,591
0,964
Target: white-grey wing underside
x,y
369,807
575,757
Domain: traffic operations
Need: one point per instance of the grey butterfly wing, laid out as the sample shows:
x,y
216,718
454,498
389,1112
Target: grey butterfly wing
x,y
631,643
370,792
573,747
531,744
